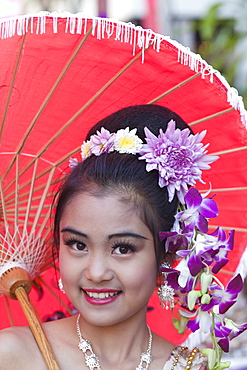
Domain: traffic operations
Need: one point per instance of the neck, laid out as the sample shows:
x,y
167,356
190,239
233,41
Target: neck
x,y
128,339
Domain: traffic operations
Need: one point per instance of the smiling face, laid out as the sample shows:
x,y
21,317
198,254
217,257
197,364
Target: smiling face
x,y
107,259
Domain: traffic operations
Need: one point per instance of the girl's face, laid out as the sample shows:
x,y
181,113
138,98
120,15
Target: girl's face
x,y
107,259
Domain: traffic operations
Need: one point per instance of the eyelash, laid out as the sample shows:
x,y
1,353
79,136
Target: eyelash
x,y
129,246
72,241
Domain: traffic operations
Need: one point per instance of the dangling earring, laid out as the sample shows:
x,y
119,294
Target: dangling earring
x,y
166,292
60,285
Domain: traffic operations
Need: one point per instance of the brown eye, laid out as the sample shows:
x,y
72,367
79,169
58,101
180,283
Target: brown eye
x,y
79,246
123,250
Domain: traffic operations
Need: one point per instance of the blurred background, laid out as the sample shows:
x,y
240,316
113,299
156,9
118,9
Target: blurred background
x,y
215,29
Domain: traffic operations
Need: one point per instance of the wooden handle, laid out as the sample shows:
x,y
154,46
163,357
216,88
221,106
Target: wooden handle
x,y
16,283
36,329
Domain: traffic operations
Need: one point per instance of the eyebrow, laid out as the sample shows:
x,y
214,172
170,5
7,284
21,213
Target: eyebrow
x,y
127,234
116,235
73,231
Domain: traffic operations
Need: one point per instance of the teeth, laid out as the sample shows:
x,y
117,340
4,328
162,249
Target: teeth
x,y
100,295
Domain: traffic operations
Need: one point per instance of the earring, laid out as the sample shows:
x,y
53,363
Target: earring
x,y
166,292
60,285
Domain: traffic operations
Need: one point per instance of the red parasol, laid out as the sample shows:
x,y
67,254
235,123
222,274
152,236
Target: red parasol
x,y
61,73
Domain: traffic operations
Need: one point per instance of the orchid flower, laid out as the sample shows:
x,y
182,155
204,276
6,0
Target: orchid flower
x,y
198,290
197,210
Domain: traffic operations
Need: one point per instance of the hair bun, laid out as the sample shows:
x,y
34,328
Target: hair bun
x,y
151,116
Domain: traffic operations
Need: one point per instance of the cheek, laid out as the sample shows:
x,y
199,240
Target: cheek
x,y
67,265
143,277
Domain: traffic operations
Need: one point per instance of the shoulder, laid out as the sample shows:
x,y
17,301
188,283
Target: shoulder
x,y
184,358
16,344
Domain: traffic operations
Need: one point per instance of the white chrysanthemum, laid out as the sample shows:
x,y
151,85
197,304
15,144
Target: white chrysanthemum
x,y
85,149
127,141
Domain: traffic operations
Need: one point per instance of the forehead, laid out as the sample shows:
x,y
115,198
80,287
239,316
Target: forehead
x,y
104,212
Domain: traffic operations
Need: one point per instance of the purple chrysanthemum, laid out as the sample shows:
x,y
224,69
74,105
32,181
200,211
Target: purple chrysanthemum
x,y
178,156
102,142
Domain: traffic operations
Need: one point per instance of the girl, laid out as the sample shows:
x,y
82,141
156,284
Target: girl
x,y
109,212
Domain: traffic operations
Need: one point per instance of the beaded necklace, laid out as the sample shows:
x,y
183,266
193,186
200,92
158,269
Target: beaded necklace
x,y
92,360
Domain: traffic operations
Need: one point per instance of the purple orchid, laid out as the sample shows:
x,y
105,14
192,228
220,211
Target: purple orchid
x,y
226,330
199,292
227,296
201,321
178,156
214,248
222,334
174,241
197,210
102,142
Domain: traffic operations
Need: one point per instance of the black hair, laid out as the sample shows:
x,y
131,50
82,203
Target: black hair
x,y
125,174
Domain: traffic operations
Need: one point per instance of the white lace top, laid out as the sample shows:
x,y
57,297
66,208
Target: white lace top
x,y
182,358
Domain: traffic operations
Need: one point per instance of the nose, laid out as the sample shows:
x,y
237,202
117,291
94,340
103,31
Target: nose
x,y
98,268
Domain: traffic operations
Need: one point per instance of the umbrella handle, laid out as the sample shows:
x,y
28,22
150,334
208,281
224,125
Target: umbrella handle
x,y
16,283
36,329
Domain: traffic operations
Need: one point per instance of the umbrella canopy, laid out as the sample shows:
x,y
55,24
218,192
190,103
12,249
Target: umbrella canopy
x,y
60,74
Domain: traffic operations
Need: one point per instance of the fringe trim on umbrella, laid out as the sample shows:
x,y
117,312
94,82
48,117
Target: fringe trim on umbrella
x,y
123,32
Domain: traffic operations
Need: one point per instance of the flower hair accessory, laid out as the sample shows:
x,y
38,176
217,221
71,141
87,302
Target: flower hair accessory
x,y
177,155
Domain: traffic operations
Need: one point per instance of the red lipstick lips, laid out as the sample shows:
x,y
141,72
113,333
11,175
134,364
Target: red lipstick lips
x,y
101,296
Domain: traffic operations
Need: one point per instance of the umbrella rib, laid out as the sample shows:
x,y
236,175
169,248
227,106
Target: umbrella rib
x,y
230,150
30,194
174,88
181,84
16,197
44,172
9,203
3,206
211,116
11,85
40,187
243,230
43,200
44,226
29,223
80,111
26,209
48,231
46,100
227,272
227,189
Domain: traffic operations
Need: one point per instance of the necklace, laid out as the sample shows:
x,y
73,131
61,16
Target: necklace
x,y
92,360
